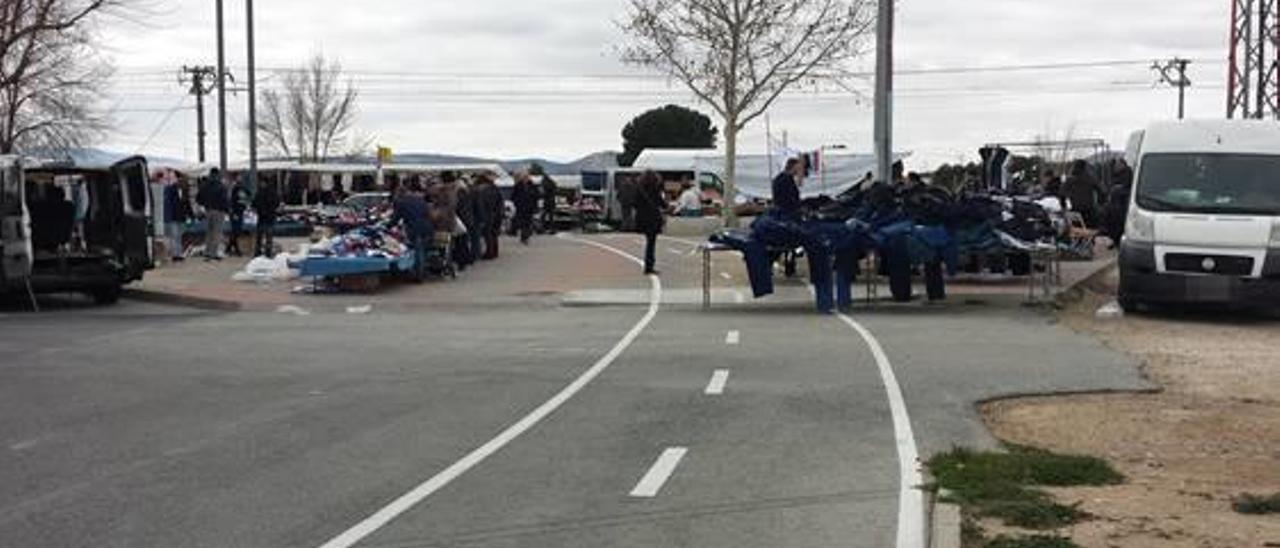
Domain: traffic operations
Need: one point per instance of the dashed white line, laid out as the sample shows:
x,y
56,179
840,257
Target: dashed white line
x,y
910,497
399,506
651,484
733,338
719,380
674,251
726,275
360,310
291,309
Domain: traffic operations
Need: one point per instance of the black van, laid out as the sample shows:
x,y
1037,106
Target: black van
x,y
75,229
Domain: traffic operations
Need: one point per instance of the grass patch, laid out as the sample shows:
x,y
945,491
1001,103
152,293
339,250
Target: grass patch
x,y
1038,541
1257,505
1003,485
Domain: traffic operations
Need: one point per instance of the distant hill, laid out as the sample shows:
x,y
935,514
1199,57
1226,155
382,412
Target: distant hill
x,y
596,161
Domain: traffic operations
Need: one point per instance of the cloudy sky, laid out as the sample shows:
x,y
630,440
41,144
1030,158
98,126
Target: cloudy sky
x,y
541,77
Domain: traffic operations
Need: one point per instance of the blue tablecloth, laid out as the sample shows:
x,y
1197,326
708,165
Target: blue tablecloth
x,y
334,267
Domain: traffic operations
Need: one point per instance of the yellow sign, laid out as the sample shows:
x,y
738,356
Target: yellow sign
x,y
384,155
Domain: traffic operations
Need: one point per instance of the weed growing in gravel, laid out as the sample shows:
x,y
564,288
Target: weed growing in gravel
x,y
1257,505
1003,486
1038,541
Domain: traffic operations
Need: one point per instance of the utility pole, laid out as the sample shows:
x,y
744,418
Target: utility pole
x,y
884,91
202,81
1166,71
253,101
222,94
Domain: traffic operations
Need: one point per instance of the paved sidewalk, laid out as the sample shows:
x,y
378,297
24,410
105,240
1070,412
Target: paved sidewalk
x,y
550,272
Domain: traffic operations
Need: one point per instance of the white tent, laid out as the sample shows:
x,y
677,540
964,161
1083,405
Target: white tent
x,y
841,169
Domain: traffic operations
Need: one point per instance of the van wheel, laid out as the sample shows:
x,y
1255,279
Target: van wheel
x,y
107,296
1127,303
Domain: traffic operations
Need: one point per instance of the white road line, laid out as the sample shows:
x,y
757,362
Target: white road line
x,y
733,338
674,251
719,380
659,473
360,310
291,309
910,497
420,493
726,275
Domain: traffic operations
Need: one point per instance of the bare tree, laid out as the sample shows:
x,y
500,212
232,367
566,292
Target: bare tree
x,y
739,56
312,115
50,74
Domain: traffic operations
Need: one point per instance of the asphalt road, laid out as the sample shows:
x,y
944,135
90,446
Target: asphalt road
x,y
142,425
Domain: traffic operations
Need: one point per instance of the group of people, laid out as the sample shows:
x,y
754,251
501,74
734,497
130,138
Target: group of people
x,y
1084,193
222,201
470,212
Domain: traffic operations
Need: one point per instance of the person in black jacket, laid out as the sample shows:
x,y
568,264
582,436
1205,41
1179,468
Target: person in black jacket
x,y
786,189
1117,211
267,205
525,197
651,211
213,198
239,205
465,253
549,191
490,210
1085,193
410,209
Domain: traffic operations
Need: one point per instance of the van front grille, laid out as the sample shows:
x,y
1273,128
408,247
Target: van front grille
x,y
1223,265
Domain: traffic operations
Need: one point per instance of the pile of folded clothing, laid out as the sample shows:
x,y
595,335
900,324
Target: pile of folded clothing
x,y
371,241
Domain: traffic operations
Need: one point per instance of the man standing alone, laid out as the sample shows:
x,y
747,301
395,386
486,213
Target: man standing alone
x,y
525,197
266,204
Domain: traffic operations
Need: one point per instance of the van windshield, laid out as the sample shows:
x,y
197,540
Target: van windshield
x,y
1210,184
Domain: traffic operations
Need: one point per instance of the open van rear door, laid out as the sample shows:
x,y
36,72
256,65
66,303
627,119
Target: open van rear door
x,y
137,223
15,224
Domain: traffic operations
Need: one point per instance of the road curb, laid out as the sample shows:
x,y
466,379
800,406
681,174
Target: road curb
x,y
200,303
945,526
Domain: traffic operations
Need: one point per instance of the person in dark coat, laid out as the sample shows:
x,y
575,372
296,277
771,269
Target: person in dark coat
x,y
490,210
651,211
239,205
626,192
465,253
213,198
1085,193
549,191
267,205
525,197
177,211
410,210
1117,211
786,190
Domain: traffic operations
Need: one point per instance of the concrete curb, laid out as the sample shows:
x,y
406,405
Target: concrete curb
x,y
199,303
945,529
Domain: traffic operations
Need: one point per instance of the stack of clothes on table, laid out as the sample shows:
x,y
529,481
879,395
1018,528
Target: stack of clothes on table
x,y
921,228
375,241
369,237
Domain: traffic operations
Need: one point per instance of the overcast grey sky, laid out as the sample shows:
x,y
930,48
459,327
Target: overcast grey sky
x,y
540,77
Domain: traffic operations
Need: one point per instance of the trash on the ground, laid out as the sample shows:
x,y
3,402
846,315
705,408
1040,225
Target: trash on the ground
x,y
1110,311
263,270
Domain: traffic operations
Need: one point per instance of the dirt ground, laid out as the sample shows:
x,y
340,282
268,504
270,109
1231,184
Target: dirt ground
x,y
1210,436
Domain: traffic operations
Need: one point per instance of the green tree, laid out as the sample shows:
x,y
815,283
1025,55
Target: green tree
x,y
667,127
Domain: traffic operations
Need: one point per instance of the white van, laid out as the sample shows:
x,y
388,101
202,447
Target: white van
x,y
1204,223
